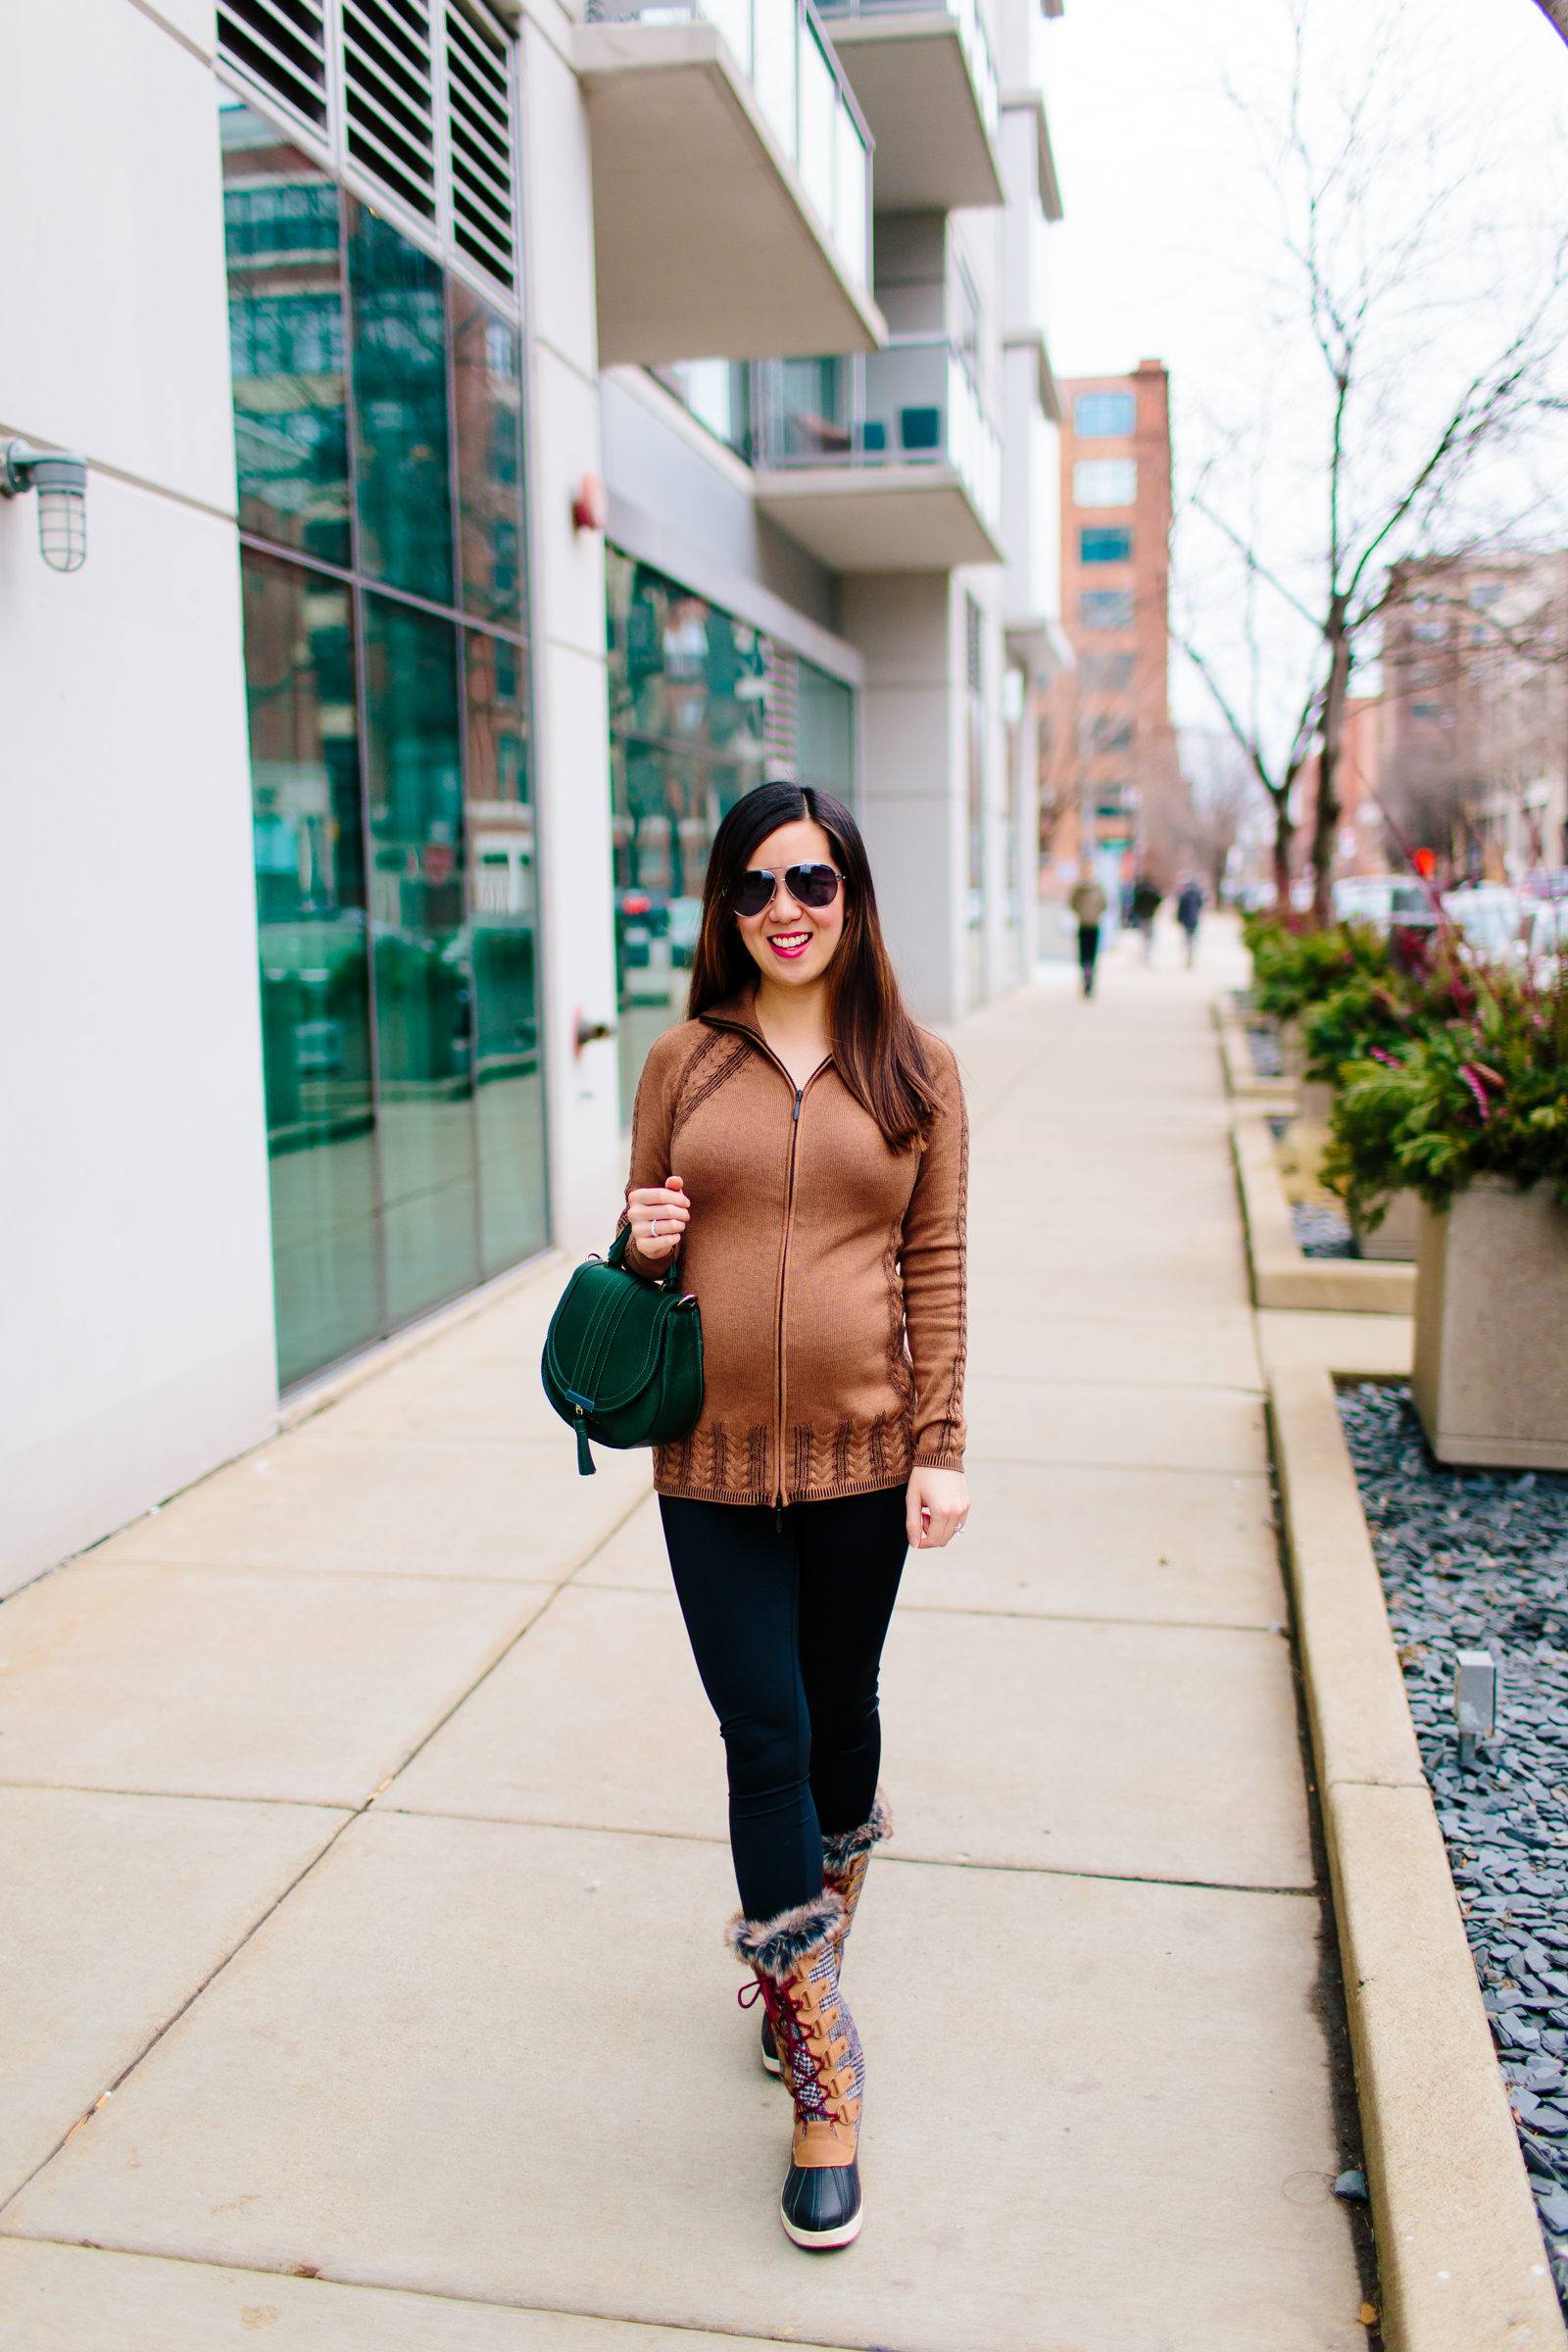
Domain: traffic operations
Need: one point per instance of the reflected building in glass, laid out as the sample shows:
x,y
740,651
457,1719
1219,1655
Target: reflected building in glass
x,y
379,443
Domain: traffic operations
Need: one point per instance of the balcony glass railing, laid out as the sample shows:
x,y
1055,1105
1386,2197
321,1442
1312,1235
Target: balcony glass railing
x,y
912,404
971,35
785,54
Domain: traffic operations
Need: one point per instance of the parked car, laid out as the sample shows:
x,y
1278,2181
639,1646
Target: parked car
x,y
1381,900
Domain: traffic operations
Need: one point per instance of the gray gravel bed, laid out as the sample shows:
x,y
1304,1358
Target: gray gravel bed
x,y
1265,1047
1474,1559
1321,1232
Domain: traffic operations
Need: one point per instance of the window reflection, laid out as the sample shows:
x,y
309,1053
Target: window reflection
x,y
487,395
310,891
399,409
504,898
282,233
687,689
398,1174
423,991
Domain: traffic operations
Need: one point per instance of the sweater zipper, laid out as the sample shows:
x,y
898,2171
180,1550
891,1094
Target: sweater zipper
x,y
778,1338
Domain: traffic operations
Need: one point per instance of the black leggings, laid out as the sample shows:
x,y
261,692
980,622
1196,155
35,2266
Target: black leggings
x,y
787,1629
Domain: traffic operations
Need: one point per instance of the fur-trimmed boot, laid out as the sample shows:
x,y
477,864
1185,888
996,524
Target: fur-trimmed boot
x,y
846,1858
795,1959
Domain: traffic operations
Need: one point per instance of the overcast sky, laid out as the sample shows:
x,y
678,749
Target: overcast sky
x,y
1167,233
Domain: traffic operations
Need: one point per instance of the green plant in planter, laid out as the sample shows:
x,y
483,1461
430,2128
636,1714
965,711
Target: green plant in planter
x,y
1482,1095
1293,968
1374,1013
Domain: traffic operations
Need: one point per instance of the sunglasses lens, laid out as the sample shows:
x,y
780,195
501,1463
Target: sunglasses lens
x,y
813,885
755,890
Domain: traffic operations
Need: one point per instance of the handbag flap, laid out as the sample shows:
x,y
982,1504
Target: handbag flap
x,y
606,1337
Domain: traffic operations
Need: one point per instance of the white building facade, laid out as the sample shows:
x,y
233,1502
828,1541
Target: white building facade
x,y
509,439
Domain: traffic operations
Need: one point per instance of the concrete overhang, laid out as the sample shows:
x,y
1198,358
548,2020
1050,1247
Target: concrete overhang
x,y
1033,339
1041,645
1032,102
912,78
878,518
706,245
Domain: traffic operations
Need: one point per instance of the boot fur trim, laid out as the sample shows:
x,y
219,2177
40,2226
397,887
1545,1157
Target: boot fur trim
x,y
774,1946
840,1850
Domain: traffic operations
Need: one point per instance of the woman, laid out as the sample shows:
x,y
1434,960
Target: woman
x,y
805,1147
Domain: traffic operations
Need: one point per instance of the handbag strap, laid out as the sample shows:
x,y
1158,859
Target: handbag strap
x,y
667,1280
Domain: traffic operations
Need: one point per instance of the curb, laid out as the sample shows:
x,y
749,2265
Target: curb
x,y
1242,1080
1280,1275
1459,2249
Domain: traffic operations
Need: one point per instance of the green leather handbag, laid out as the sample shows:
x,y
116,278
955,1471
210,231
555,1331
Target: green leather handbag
x,y
623,1356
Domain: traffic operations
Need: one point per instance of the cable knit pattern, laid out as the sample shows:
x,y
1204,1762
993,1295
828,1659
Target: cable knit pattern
x,y
830,1270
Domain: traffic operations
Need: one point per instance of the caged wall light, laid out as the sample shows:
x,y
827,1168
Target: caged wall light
x,y
59,477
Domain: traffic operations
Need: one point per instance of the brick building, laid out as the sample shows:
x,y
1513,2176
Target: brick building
x,y
1112,772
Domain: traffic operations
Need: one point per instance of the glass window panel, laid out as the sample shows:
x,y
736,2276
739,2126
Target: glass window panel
x,y
825,739
1104,481
1104,545
399,409
687,684
504,901
1105,609
848,192
818,99
423,986
285,306
1103,415
487,412
775,34
316,1023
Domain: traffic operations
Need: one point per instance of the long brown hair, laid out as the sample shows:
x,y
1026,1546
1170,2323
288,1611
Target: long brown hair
x,y
876,1047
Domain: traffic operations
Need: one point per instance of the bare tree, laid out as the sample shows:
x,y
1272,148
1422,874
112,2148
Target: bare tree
x,y
1370,221
1221,784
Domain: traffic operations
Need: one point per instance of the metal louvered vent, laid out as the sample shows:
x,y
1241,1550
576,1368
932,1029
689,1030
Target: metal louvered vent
x,y
282,45
780,699
479,123
389,96
414,96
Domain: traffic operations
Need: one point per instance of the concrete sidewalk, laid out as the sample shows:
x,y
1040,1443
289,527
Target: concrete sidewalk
x,y
364,1820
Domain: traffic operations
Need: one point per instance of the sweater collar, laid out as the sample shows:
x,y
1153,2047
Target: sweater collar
x,y
738,1011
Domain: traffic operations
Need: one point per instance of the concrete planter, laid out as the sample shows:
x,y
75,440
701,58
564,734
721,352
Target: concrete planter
x,y
1396,1238
1314,1101
1491,1377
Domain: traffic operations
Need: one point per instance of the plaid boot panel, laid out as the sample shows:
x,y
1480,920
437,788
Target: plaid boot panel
x,y
823,2062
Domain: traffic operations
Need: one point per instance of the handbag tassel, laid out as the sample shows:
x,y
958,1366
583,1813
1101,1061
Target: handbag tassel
x,y
586,1465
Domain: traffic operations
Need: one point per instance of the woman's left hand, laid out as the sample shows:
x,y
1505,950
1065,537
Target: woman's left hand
x,y
935,1507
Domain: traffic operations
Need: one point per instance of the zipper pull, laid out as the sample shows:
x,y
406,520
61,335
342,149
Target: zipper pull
x,y
586,1465
778,1515
799,1092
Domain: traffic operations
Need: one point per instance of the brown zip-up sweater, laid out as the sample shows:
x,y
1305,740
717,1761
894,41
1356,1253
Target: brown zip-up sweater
x,y
828,1268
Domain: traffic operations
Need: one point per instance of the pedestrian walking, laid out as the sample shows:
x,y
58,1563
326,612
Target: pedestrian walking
x,y
1188,913
803,1147
1088,902
1146,896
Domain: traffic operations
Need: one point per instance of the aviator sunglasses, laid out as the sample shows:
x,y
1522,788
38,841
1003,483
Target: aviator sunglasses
x,y
808,885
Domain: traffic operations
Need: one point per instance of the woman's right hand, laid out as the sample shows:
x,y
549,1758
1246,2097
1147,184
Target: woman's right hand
x,y
665,1206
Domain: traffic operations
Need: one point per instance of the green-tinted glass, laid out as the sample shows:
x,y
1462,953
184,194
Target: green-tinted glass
x,y
423,988
286,308
503,897
399,375
487,394
825,731
310,889
686,738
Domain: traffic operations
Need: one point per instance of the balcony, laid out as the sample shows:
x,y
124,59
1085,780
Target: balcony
x,y
880,464
924,73
732,183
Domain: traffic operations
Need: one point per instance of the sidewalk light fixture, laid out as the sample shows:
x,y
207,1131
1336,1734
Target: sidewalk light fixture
x,y
1475,1700
59,477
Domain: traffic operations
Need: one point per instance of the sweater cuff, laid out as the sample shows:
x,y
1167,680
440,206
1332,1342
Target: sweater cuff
x,y
938,1456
